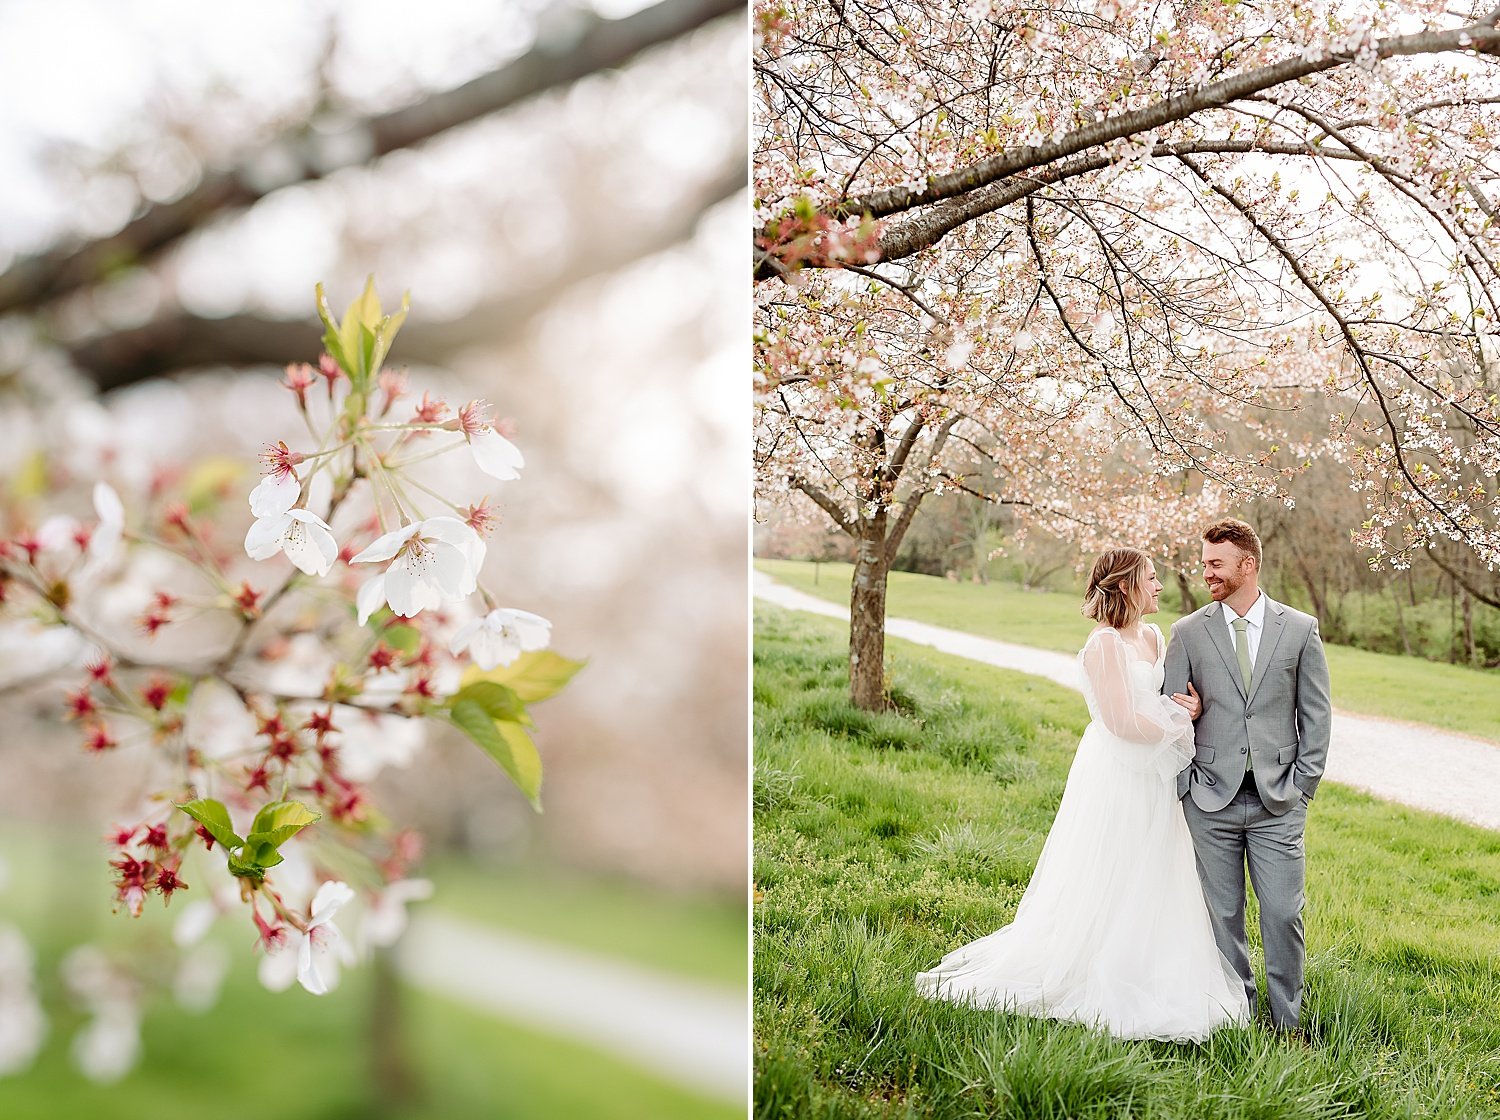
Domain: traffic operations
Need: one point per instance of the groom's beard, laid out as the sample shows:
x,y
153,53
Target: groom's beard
x,y
1221,589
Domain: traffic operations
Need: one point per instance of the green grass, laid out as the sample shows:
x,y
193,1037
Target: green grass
x,y
692,935
884,841
299,1057
1453,697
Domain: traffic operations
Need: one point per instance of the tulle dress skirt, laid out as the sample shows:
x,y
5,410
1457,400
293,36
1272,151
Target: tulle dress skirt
x,y
1112,931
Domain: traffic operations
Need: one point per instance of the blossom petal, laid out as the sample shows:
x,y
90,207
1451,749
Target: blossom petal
x,y
407,594
275,495
331,895
464,634
105,539
449,529
264,538
386,546
491,648
534,631
310,547
309,517
449,570
371,596
307,969
496,455
107,505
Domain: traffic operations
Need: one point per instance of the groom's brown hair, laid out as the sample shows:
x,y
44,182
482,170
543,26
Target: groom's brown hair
x,y
1236,532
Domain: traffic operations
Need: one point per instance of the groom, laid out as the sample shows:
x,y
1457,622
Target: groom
x,y
1261,742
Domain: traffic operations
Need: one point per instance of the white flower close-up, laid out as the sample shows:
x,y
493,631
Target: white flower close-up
x,y
432,562
305,537
501,636
312,958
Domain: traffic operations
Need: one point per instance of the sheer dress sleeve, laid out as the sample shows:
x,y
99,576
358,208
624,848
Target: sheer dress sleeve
x,y
1162,731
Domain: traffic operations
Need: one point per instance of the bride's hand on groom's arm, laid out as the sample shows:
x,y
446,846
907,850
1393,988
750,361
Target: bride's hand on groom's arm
x,y
1193,703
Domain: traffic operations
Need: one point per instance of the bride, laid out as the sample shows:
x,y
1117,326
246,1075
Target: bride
x,y
1112,930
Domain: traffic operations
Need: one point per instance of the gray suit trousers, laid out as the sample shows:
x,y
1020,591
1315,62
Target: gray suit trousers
x,y
1226,840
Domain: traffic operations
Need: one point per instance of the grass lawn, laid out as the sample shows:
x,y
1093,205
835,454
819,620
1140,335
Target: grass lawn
x,y
693,936
295,1056
883,841
1453,697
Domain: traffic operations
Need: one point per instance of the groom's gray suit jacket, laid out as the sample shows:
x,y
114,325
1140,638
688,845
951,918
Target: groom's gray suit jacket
x,y
1283,722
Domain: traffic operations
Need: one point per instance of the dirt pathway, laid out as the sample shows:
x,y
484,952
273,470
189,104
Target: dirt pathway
x,y
696,1035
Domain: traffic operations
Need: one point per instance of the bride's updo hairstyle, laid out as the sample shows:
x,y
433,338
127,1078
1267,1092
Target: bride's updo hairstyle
x,y
1110,597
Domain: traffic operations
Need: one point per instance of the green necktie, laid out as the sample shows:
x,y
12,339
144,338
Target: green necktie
x,y
1242,652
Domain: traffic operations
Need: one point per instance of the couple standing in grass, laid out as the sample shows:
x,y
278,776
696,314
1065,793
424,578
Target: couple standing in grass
x,y
1200,760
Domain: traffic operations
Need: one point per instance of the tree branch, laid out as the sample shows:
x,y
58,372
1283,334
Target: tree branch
x,y
604,43
176,340
1476,36
827,505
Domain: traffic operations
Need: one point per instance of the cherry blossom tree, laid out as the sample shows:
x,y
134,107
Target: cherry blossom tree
x,y
1084,241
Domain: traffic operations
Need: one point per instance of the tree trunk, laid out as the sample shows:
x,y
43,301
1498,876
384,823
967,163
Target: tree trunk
x,y
1469,646
867,616
1400,621
1185,589
392,1075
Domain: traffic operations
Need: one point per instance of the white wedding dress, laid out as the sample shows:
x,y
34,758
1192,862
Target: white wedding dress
x,y
1112,930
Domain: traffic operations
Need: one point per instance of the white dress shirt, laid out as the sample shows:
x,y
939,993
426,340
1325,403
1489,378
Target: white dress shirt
x,y
1257,616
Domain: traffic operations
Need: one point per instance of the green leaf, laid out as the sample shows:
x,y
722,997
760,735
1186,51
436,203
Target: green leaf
x,y
507,743
259,852
532,676
213,816
385,332
246,869
351,331
279,821
404,638
331,341
498,701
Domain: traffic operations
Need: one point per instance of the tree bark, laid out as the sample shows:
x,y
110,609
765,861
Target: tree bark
x,y
867,615
392,1074
1185,589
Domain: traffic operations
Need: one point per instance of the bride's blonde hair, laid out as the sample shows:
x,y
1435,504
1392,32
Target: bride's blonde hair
x,y
1110,597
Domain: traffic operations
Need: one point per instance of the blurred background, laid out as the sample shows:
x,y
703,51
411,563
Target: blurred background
x,y
560,186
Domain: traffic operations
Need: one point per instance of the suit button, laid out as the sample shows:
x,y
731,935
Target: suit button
x,y
1242,750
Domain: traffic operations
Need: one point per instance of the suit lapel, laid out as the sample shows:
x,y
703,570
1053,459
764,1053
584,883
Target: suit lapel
x,y
1218,633
1275,623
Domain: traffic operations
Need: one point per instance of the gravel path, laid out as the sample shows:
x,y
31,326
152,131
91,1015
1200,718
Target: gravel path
x,y
696,1035
1459,776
